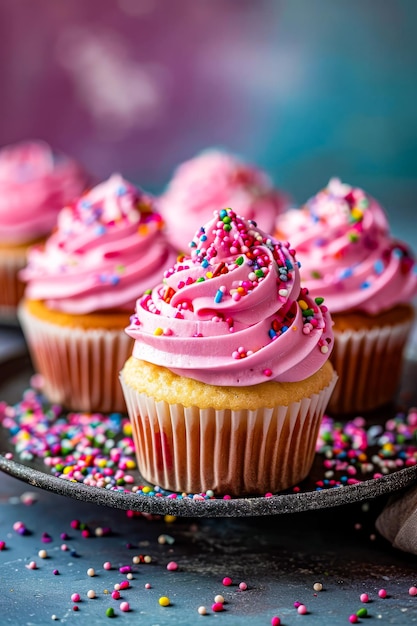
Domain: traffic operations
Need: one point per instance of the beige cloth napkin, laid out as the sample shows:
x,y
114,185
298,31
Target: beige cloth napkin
x,y
398,521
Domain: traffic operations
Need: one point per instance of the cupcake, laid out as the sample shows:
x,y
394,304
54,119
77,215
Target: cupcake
x,y
35,184
368,280
229,375
81,289
213,180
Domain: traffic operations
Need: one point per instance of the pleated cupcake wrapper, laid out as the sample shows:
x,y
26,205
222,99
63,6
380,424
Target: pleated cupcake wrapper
x,y
11,288
80,367
231,452
368,363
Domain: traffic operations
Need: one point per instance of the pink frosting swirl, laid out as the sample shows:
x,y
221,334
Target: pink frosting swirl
x,y
35,184
107,246
232,312
212,181
347,253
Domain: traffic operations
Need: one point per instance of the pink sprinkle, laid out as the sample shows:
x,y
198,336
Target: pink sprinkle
x,y
148,586
217,607
297,604
75,597
302,609
115,594
17,526
382,593
243,586
267,372
227,581
353,619
32,565
64,547
364,597
275,621
2,545
172,566
124,606
412,591
124,584
107,565
125,569
75,524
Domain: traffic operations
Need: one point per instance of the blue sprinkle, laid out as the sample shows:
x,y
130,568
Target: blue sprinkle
x,y
121,190
398,253
219,296
102,278
85,204
203,238
289,264
284,328
272,333
100,230
379,266
192,244
366,284
205,263
347,273
115,280
283,277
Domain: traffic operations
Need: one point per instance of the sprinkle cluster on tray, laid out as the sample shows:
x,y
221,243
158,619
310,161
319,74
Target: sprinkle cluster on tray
x,y
98,450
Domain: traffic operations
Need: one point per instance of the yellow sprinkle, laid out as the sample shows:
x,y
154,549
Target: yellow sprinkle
x,y
356,213
303,304
101,462
164,601
158,331
169,519
130,464
209,274
127,429
146,489
294,328
67,469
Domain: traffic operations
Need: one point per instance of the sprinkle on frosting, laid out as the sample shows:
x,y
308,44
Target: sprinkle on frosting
x,y
238,292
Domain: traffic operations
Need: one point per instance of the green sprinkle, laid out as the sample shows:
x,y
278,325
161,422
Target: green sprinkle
x,y
362,613
259,273
308,312
227,219
200,280
318,300
227,227
239,260
110,612
315,274
353,237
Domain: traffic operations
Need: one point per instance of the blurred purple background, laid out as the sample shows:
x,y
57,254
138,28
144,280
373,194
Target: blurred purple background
x,y
307,89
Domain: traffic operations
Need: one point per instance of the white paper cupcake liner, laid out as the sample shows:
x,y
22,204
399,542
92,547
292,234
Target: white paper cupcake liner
x,y
231,452
11,288
368,363
80,366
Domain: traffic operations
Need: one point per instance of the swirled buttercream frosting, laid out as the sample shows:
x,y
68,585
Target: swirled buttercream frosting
x,y
215,179
232,311
106,246
35,183
347,252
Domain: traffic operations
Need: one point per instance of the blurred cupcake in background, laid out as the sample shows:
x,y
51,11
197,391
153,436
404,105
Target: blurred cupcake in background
x,y
368,280
211,181
82,284
35,183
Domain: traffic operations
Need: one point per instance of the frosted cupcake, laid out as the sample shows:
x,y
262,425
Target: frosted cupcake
x,y
368,279
213,180
229,376
35,184
81,289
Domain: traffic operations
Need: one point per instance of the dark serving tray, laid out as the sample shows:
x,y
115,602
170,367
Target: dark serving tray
x,y
14,378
